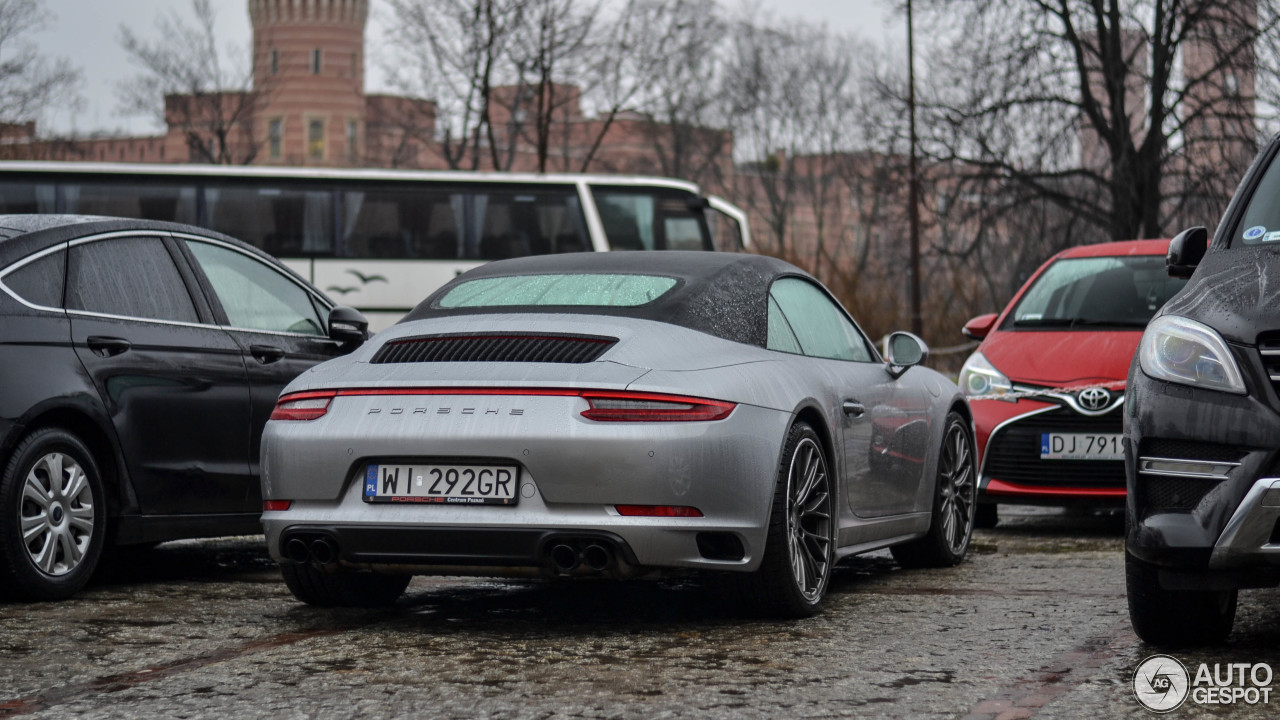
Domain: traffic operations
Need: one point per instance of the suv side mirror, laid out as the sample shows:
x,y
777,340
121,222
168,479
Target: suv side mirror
x,y
903,350
1186,250
348,326
980,326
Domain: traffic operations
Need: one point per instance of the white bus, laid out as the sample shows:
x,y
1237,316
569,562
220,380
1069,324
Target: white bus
x,y
381,240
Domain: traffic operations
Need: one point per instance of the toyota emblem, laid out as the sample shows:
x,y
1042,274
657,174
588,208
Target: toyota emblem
x,y
1094,399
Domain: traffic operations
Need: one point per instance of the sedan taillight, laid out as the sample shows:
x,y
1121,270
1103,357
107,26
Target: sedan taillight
x,y
303,405
652,407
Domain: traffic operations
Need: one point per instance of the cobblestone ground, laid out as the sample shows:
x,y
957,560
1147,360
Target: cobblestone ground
x,y
1032,625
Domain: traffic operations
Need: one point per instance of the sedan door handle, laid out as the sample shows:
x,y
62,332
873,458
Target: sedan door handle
x,y
108,346
266,354
853,408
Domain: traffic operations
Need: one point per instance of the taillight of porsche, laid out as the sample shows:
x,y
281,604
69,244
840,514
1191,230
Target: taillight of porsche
x,y
603,405
652,407
303,405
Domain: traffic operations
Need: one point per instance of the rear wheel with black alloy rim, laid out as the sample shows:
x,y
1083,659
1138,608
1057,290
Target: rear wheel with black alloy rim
x,y
800,547
951,523
53,516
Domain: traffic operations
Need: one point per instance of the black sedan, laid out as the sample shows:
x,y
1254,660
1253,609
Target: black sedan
x,y
140,362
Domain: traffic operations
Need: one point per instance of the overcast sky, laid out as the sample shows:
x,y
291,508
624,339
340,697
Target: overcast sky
x,y
86,32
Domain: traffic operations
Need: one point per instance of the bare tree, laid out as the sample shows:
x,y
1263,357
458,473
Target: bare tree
x,y
663,62
187,82
454,52
787,87
550,48
1126,114
29,83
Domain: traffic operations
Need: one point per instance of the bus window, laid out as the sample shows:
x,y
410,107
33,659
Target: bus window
x,y
169,201
525,221
650,220
280,220
27,197
390,223
726,233
683,233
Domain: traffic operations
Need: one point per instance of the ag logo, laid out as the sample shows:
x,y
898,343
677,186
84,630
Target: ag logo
x,y
1094,398
1161,683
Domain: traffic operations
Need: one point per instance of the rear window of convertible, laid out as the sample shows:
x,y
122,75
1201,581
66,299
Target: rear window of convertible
x,y
587,289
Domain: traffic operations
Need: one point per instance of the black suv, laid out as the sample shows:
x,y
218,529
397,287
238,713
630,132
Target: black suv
x,y
1202,426
140,361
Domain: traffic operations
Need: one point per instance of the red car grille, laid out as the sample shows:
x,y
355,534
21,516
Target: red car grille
x,y
505,347
1013,452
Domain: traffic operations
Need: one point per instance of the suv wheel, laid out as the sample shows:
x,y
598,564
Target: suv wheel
x,y
1173,618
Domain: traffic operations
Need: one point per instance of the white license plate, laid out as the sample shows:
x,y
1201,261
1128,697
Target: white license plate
x,y
1081,446
437,483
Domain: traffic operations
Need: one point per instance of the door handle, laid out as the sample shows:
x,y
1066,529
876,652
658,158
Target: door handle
x,y
103,346
266,354
853,408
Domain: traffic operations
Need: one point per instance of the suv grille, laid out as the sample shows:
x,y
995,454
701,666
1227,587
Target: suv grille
x,y
1269,349
1013,454
1189,450
505,347
1158,495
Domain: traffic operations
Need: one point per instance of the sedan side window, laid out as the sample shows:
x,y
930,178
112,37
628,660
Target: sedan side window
x,y
820,327
40,282
254,295
129,277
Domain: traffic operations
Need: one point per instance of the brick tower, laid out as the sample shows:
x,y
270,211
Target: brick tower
x,y
308,61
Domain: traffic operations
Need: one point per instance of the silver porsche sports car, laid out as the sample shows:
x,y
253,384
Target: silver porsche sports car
x,y
618,414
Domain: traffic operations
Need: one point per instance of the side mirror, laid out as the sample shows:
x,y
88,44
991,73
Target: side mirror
x,y
1186,250
903,350
980,326
348,326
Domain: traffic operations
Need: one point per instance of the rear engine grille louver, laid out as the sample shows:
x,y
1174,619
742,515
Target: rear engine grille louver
x,y
503,347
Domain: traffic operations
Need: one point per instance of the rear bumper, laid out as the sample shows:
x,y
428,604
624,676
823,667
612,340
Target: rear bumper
x,y
571,474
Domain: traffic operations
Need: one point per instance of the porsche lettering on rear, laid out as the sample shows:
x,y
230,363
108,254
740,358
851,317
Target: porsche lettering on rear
x,y
448,410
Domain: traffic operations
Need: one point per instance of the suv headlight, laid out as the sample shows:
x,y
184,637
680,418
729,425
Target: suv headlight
x,y
980,379
1184,351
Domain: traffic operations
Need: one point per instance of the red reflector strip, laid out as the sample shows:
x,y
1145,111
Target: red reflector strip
x,y
605,405
657,511
276,505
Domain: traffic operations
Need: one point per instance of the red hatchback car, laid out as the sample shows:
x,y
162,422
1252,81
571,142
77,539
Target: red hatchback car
x,y
1047,383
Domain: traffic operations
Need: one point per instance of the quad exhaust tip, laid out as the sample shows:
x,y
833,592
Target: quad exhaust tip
x,y
576,555
296,550
564,557
306,548
597,557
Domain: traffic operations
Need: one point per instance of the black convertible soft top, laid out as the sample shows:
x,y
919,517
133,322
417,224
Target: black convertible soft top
x,y
721,294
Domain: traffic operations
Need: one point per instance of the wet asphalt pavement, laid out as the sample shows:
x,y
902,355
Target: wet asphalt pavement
x,y
1034,624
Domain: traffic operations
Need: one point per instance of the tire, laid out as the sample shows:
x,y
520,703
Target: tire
x,y
985,516
954,503
314,586
1176,618
799,550
53,517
